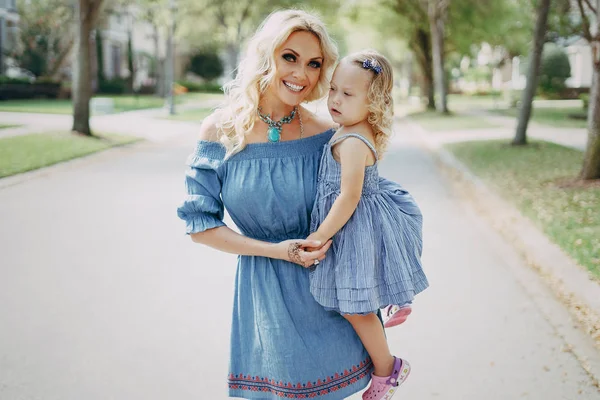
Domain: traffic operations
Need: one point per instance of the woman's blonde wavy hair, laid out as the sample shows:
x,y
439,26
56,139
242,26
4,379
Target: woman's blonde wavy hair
x,y
257,70
379,95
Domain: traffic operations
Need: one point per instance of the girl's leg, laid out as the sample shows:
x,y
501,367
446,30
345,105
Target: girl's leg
x,y
370,331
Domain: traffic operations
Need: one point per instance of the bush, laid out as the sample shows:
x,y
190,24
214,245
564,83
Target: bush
x,y
555,69
206,64
14,81
18,89
585,98
112,86
206,87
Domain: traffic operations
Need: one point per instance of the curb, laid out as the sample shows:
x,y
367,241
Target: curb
x,y
569,283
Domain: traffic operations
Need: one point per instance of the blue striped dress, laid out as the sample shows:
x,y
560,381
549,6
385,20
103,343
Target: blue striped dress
x,y
375,259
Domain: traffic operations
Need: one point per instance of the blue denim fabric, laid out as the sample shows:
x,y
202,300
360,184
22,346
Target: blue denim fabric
x,y
283,343
375,259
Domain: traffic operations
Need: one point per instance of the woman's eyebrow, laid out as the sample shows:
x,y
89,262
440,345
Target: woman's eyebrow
x,y
298,55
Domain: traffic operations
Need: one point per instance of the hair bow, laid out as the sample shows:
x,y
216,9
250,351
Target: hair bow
x,y
372,65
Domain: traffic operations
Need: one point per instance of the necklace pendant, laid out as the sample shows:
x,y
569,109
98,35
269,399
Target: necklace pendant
x,y
274,134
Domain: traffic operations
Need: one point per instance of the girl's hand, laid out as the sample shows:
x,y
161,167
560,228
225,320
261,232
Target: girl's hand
x,y
315,236
297,251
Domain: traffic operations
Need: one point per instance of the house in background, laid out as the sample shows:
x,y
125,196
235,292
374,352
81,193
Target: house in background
x,y
9,20
580,58
147,43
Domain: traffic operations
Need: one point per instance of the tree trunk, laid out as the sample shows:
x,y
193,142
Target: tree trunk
x,y
532,75
421,46
591,159
82,89
87,14
436,22
130,64
159,89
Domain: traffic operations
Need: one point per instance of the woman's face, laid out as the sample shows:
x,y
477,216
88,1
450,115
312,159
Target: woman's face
x,y
297,68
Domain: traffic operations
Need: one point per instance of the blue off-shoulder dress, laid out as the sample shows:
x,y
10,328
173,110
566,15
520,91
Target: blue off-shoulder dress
x,y
283,343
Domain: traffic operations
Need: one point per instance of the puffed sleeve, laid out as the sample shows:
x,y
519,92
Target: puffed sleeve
x,y
202,208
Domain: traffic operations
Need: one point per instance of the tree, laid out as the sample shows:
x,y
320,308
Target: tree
x,y
464,21
87,12
437,12
532,74
228,23
591,162
555,69
130,65
44,37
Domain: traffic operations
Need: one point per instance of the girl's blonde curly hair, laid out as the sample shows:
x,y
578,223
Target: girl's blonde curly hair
x,y
379,95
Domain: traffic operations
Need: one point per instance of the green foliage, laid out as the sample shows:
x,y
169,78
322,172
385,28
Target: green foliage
x,y
231,22
44,31
113,86
554,70
206,64
207,87
585,98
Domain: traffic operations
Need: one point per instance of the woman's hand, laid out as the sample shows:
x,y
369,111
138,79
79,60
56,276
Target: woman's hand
x,y
297,251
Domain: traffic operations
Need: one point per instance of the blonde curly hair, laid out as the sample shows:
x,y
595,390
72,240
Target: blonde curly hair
x,y
257,70
379,95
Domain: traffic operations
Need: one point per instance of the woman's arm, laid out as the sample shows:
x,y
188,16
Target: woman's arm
x,y
229,241
225,239
353,155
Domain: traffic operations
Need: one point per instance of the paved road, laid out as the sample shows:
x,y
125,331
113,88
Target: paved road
x,y
103,297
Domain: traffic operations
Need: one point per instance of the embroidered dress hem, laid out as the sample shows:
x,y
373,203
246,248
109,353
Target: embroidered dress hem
x,y
336,387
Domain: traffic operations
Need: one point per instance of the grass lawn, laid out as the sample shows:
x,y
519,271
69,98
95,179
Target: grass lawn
x,y
2,126
433,121
558,117
27,152
530,177
121,103
194,115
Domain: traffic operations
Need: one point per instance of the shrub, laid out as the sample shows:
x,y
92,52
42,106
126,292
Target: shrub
x,y
206,64
206,87
555,69
112,86
585,98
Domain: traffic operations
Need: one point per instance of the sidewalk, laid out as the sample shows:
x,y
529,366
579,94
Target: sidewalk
x,y
569,137
569,282
146,123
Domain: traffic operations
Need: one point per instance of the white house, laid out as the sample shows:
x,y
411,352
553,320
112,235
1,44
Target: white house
x,y
580,58
9,20
146,40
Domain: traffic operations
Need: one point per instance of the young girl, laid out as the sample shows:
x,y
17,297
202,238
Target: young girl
x,y
374,261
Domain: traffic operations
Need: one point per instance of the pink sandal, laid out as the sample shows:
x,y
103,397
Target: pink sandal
x,y
395,315
384,387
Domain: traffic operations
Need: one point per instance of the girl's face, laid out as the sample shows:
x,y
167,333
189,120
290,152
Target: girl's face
x,y
297,68
347,101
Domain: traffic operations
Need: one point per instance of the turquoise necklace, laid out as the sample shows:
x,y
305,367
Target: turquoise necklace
x,y
274,131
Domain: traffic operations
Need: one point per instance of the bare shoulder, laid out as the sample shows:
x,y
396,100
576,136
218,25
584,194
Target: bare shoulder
x,y
208,129
316,124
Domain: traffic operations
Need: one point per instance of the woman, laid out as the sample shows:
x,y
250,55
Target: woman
x,y
258,156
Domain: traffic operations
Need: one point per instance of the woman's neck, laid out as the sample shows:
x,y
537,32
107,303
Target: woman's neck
x,y
275,108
